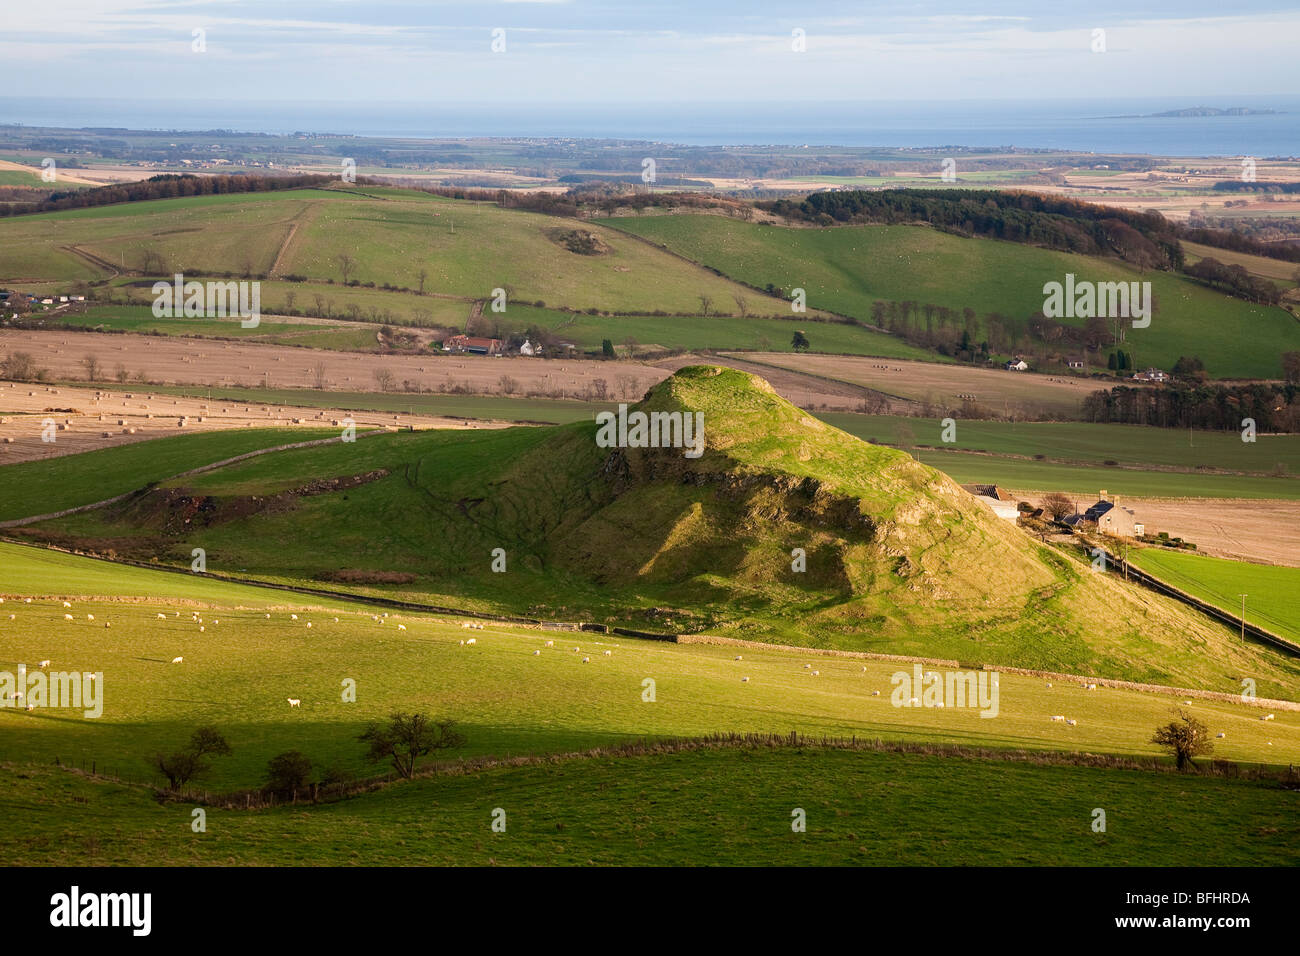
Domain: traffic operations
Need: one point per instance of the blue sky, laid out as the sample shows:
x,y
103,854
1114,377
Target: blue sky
x,y
394,51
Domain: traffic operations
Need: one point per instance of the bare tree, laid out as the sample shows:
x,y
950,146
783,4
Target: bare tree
x,y
289,298
742,304
121,374
320,303
318,373
629,343
706,303
91,364
384,379
1058,505
508,385
422,275
346,265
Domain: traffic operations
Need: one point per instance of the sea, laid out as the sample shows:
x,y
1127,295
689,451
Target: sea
x,y
1110,126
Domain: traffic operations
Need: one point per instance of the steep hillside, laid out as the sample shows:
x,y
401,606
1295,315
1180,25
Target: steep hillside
x,y
898,558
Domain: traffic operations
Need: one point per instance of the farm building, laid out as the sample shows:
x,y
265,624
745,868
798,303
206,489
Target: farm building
x,y
1110,518
1150,375
1017,365
1000,502
473,344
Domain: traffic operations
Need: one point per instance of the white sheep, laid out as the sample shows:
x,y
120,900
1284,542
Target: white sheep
x,y
268,617
537,653
586,660
401,627
875,693
550,643
67,604
162,617
1092,687
178,660
807,666
816,673
611,654
1049,685
1058,717
293,617
309,625
744,680
1071,722
67,617
336,620
90,617
294,701
202,629
1220,735
472,640
44,663
1268,717
739,658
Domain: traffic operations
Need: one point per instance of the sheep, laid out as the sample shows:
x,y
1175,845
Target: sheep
x,y
293,617
308,625
537,653
178,660
401,627
1220,735
816,673
806,666
1049,685
1071,722
67,604
472,640
268,617
336,620
1268,717
44,663
294,701
16,695
875,693
864,668
107,624
1092,687
586,660
202,629
13,617
90,617
162,617
739,658
744,680
1058,717
67,617
611,654
550,643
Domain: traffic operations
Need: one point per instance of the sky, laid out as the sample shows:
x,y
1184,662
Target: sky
x,y
555,52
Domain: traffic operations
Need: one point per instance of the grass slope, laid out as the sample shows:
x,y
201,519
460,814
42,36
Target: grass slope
x,y
845,269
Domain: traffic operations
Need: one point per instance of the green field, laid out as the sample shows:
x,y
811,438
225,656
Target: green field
x,y
52,484
720,807
468,249
1270,589
845,269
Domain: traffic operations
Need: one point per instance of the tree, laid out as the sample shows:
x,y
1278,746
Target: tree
x,y
407,738
629,343
21,367
121,374
184,765
1186,738
799,342
742,304
607,348
384,379
288,772
91,363
422,275
706,303
289,298
318,373
1291,367
1058,505
346,265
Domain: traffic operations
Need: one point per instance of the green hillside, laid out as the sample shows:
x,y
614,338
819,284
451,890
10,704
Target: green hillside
x,y
898,558
845,269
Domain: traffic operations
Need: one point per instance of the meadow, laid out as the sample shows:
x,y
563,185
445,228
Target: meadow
x,y
846,268
1270,589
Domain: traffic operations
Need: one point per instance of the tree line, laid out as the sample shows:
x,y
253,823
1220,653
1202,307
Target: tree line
x,y
166,186
1275,408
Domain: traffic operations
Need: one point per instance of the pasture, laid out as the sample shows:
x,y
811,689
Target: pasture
x,y
845,269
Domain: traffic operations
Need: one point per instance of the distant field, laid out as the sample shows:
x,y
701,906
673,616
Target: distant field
x,y
554,411
846,268
467,249
1283,272
1271,591
1088,443
1024,394
717,807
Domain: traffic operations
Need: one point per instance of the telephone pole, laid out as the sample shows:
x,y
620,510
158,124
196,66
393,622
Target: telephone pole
x,y
1243,616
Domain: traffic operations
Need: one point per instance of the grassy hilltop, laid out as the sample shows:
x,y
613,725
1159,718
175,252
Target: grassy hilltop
x,y
899,558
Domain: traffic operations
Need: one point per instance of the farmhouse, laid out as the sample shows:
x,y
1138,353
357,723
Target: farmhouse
x,y
473,344
1110,518
1150,375
999,501
1017,365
